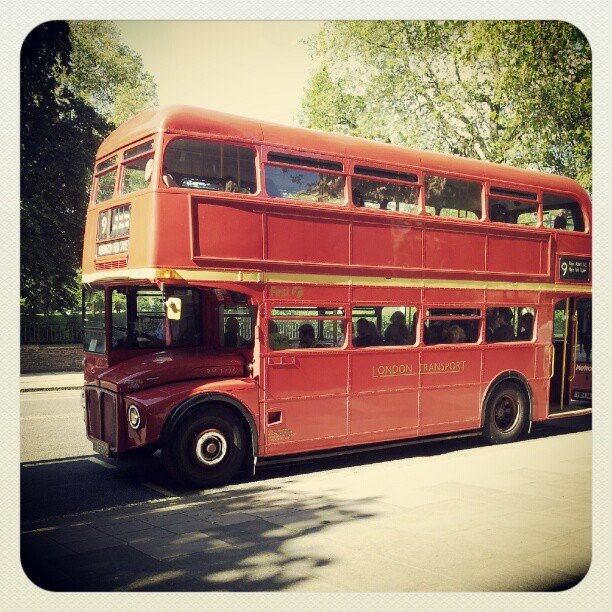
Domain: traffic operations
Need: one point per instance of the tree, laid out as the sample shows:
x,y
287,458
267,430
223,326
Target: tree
x,y
516,92
59,137
74,90
107,74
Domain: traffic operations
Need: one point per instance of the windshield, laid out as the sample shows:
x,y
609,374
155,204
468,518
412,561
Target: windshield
x,y
94,338
138,318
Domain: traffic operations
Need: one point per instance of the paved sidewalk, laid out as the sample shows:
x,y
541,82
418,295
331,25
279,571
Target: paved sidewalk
x,y
50,380
490,518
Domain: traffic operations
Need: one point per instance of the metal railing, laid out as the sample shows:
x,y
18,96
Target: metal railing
x,y
55,330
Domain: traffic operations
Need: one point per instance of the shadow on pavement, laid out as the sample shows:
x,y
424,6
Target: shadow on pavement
x,y
260,539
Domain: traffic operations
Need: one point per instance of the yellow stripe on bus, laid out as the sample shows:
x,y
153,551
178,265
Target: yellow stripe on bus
x,y
240,276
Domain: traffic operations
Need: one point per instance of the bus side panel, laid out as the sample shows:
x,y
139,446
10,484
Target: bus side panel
x,y
306,400
216,234
502,357
307,239
377,245
384,391
453,250
450,396
539,390
517,255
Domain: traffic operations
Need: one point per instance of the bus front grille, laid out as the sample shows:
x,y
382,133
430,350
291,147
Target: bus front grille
x,y
101,409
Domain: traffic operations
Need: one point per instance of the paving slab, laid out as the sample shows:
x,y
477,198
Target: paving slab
x,y
461,523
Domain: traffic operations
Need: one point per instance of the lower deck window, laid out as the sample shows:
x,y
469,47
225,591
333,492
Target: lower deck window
x,y
306,328
384,325
236,327
451,326
509,324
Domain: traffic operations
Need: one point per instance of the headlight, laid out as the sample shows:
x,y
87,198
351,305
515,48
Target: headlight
x,y
133,417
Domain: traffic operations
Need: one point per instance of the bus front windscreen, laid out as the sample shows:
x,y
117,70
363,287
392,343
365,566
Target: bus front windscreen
x,y
139,318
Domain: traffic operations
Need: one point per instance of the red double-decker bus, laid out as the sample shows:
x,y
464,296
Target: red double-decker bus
x,y
253,291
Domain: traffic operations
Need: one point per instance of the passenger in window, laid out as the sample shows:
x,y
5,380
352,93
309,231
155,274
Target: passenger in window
x,y
525,326
358,198
232,337
412,334
276,340
231,185
561,220
397,332
504,331
306,334
456,334
434,332
367,334
168,179
492,324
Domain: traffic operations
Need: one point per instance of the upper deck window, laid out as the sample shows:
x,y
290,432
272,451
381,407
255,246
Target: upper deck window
x,y
214,166
382,195
106,173
137,167
451,197
517,212
562,213
297,184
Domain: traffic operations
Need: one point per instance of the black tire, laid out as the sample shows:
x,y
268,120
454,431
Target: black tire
x,y
206,447
506,413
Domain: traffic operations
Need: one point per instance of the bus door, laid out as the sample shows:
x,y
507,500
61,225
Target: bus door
x,y
581,371
305,383
570,385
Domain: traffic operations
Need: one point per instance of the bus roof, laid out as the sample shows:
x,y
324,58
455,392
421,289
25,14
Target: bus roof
x,y
193,120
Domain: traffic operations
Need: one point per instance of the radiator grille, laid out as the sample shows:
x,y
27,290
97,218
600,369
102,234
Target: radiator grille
x,y
102,416
110,265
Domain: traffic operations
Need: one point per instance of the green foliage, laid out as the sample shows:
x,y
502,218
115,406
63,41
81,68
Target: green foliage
x,y
515,92
59,137
77,82
107,74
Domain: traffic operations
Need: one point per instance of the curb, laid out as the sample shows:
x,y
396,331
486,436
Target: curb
x,y
30,390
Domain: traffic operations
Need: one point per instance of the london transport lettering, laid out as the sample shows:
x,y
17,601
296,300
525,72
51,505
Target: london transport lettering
x,y
441,367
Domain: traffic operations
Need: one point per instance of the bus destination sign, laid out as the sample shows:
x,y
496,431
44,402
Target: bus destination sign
x,y
574,269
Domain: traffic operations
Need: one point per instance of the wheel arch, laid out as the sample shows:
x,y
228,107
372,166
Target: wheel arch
x,y
508,376
235,406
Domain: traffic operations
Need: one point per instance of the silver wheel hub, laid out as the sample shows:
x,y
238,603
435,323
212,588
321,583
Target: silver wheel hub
x,y
211,447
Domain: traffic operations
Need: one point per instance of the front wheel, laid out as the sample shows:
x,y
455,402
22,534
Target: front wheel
x,y
206,448
506,414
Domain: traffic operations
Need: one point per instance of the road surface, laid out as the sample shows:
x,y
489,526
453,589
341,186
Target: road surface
x,y
454,515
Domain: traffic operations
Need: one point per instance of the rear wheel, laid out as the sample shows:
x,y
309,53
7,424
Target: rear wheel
x,y
206,448
506,413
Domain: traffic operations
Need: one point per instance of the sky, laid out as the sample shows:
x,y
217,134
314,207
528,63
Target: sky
x,y
257,69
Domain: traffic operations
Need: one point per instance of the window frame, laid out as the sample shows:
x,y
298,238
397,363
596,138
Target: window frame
x,y
132,308
467,179
391,347
169,138
453,317
306,168
414,185
288,306
586,221
98,174
152,153
534,334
